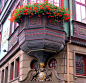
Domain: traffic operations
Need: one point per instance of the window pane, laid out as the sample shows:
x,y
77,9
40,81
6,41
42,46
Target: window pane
x,y
55,2
79,58
39,1
52,63
79,70
78,12
79,64
83,1
82,59
83,65
78,0
83,71
83,13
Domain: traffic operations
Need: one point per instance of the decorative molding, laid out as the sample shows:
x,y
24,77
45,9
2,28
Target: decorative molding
x,y
75,31
35,20
42,75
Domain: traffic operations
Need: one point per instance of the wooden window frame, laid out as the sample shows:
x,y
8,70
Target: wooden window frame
x,y
76,55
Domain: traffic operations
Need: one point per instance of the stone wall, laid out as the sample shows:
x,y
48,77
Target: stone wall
x,y
72,66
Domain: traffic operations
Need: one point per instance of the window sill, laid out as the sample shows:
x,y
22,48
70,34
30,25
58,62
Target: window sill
x,y
13,79
80,76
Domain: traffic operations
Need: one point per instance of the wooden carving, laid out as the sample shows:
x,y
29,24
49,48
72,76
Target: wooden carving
x,y
35,20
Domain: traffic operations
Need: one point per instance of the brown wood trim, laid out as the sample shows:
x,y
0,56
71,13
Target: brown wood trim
x,y
74,10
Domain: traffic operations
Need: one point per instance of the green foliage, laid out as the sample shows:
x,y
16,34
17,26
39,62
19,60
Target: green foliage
x,y
57,13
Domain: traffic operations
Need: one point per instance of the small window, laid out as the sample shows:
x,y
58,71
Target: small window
x,y
80,10
34,64
53,64
18,67
6,76
12,71
80,64
2,76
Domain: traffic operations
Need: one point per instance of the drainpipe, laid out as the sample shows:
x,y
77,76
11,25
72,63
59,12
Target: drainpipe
x,y
68,76
69,22
68,63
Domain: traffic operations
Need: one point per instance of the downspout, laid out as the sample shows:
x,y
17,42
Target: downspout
x,y
68,76
69,21
68,81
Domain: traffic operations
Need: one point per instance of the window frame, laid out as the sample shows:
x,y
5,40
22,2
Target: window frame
x,y
32,63
77,54
50,61
80,4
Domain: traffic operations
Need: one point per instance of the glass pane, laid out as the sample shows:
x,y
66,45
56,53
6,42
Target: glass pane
x,y
12,27
76,70
79,64
79,70
83,65
78,0
36,66
50,64
78,12
83,1
83,71
57,1
55,64
76,64
83,14
39,1
79,58
82,59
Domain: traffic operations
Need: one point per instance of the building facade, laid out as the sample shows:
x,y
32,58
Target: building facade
x,y
37,50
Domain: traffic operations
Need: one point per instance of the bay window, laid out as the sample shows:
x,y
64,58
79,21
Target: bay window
x,y
81,10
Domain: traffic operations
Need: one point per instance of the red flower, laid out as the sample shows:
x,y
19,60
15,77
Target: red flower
x,y
43,14
49,20
39,15
51,16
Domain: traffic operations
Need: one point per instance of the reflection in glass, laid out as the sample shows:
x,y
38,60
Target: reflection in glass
x,y
83,13
79,64
82,65
78,12
83,1
79,58
82,59
83,71
78,0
